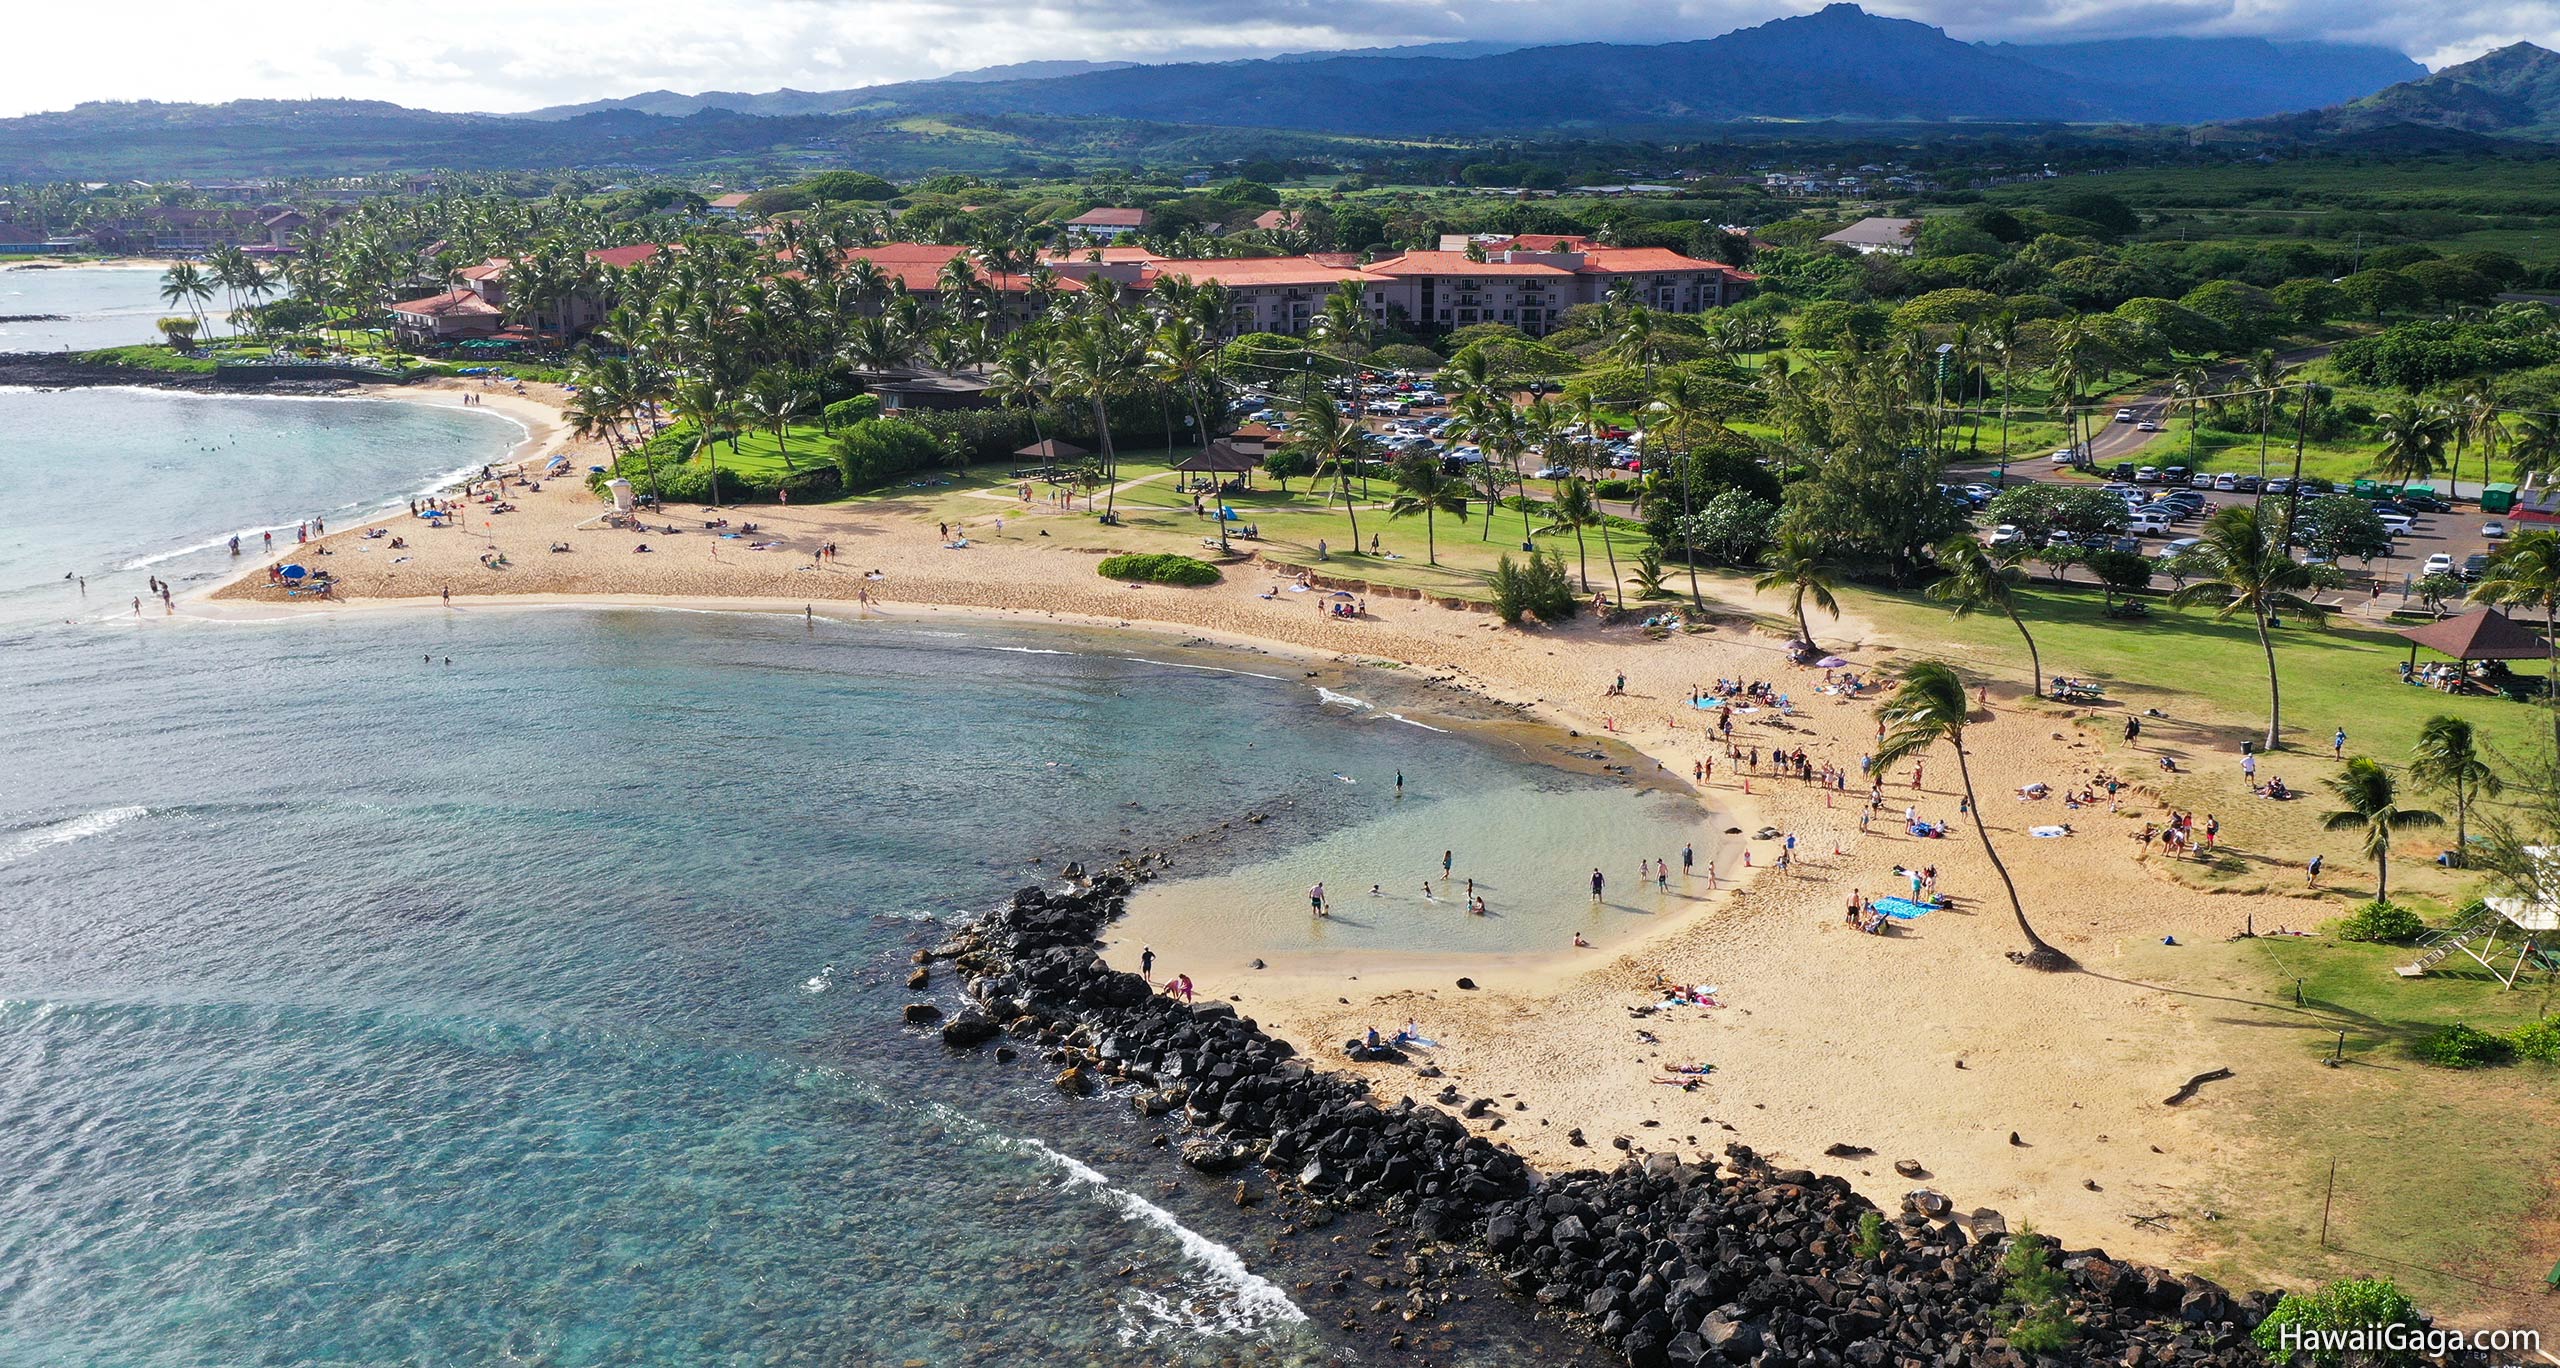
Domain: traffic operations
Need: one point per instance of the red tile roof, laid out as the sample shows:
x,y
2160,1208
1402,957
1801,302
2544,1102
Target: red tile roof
x,y
1460,264
1269,219
1254,271
918,267
1623,260
624,258
1109,218
731,201
450,302
1547,242
1109,254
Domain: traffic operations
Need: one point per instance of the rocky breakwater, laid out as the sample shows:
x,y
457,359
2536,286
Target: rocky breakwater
x,y
66,370
1664,1260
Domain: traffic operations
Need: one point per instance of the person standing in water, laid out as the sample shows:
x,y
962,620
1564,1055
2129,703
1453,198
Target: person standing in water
x,y
1599,881
1399,783
1688,859
1315,899
1447,859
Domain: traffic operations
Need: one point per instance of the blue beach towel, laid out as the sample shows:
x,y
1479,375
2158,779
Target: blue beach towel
x,y
1903,909
1708,703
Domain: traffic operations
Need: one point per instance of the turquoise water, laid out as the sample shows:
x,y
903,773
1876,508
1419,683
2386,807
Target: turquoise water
x,y
541,1007
119,485
96,306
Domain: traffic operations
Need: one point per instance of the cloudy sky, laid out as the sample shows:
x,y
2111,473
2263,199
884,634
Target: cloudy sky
x,y
521,54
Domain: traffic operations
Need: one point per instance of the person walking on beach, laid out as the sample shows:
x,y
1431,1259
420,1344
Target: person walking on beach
x,y
1688,858
2249,767
1399,783
1315,899
1599,881
1147,963
2312,871
2338,744
448,596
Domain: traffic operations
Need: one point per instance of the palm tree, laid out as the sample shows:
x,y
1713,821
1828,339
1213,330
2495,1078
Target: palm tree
x,y
712,412
2534,445
1977,582
2480,422
1575,508
1797,564
2413,441
1427,490
1020,380
2449,758
1930,708
1093,361
2241,564
775,398
2371,797
2526,573
1333,442
183,286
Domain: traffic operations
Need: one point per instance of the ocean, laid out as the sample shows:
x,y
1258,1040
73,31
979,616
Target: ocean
x,y
87,307
523,986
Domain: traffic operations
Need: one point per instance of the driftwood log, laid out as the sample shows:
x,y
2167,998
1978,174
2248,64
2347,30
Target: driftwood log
x,y
2188,1089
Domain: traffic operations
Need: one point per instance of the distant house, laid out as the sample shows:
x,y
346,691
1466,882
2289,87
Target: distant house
x,y
1869,235
477,305
730,206
1273,220
1107,224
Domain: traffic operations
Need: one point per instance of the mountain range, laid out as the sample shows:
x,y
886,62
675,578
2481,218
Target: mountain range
x,y
1837,63
1837,67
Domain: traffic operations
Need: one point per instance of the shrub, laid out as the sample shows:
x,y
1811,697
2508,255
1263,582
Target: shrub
x,y
1405,356
2537,1040
2465,1047
2037,1289
1160,569
1538,588
1870,1241
2347,1304
2382,922
877,450
1615,489
847,412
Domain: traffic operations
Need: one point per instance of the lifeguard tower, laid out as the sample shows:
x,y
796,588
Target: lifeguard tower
x,y
2507,935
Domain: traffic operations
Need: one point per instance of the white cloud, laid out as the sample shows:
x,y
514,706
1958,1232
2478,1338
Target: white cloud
x,y
488,55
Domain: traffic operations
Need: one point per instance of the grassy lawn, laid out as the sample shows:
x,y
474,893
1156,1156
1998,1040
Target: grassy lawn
x,y
2443,1176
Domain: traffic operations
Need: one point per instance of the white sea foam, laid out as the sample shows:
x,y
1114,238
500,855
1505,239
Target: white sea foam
x,y
1208,669
1325,695
1243,1301
1030,650
78,828
1400,717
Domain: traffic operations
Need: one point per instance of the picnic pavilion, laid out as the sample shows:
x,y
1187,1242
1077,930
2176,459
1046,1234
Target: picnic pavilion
x,y
2481,634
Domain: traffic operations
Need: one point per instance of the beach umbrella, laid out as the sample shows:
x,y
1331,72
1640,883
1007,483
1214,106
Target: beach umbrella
x,y
1829,663
293,572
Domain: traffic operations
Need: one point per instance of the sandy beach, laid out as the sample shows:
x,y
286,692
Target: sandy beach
x,y
2042,1096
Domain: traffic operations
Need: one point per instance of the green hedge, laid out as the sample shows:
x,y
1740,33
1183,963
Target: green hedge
x,y
1160,569
2465,1047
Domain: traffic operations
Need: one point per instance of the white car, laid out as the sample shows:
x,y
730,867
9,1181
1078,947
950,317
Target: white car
x,y
2146,425
2124,415
2147,475
2181,544
2007,534
2226,483
2200,480
1553,472
2441,563
2066,456
2398,524
2493,531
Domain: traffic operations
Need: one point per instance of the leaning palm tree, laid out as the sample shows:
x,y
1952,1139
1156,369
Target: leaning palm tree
x,y
2371,799
2242,566
1334,444
1798,565
1929,708
1977,582
2526,573
2449,759
1093,361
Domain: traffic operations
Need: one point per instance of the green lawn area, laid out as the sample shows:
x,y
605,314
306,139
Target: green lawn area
x,y
2202,670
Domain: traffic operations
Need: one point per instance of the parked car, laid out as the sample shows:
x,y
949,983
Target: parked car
x,y
2246,484
2280,485
2151,522
1553,472
2181,544
2007,534
2398,524
2202,479
2424,503
2313,484
2441,563
2131,546
2146,475
2121,470
2226,483
1980,494
2176,475
2493,530
2475,565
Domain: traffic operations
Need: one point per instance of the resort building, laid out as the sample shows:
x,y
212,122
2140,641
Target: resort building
x,y
1107,225
730,206
1867,236
1528,289
476,307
